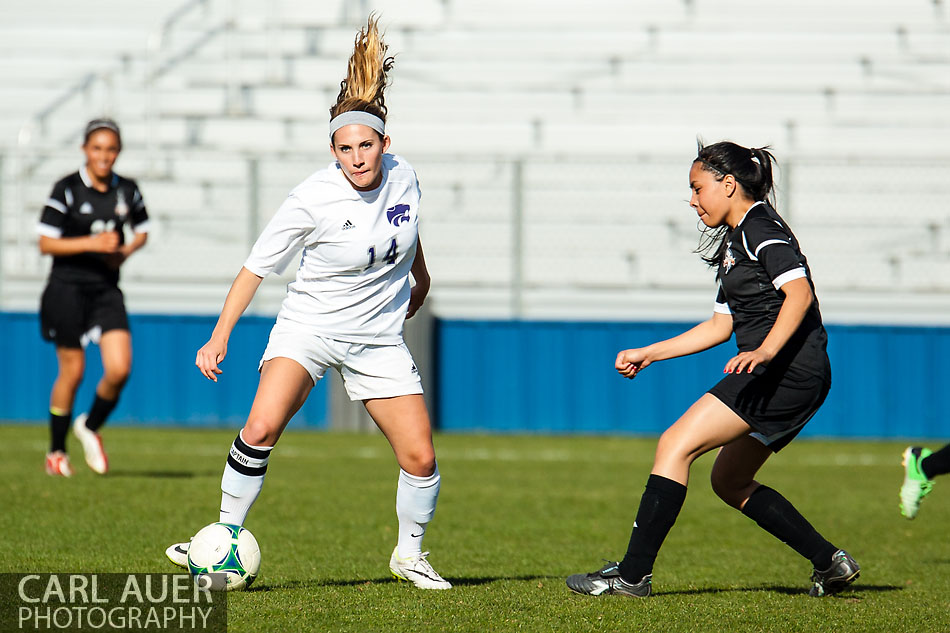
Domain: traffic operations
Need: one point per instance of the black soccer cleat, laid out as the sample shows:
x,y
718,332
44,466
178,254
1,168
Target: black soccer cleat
x,y
843,571
608,581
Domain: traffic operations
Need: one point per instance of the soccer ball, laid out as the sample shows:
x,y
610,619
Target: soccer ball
x,y
223,556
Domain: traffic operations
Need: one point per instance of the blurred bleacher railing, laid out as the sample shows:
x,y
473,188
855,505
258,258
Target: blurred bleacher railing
x,y
552,141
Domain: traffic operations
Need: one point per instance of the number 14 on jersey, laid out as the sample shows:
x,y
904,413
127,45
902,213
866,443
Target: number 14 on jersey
x,y
390,257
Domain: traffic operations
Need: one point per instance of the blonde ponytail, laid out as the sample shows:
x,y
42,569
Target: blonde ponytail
x,y
366,74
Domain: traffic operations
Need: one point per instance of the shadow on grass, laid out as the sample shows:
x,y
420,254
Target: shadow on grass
x,y
850,592
164,474
457,582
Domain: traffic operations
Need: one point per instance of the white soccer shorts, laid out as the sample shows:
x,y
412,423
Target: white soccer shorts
x,y
369,371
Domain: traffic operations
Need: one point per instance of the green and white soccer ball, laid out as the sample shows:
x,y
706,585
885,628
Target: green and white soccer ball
x,y
223,556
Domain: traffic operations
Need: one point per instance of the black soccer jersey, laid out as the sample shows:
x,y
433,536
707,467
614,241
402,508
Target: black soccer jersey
x,y
76,209
761,256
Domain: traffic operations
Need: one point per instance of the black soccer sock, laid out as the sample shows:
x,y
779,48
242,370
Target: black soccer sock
x,y
659,507
936,464
99,411
58,428
776,515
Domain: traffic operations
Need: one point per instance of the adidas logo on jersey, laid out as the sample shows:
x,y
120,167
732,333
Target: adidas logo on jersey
x,y
85,208
348,225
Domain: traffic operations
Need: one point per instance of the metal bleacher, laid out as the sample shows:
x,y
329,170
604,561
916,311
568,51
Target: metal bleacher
x,y
552,141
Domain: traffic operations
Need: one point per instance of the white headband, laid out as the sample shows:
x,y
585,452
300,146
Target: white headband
x,y
357,117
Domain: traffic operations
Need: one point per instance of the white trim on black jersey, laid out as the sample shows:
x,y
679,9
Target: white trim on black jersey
x,y
53,203
721,308
49,230
755,256
791,275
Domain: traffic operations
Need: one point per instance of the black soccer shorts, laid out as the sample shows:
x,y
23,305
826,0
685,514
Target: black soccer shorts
x,y
776,406
71,314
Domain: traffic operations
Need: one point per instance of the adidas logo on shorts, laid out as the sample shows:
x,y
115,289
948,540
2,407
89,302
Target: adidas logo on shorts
x,y
348,225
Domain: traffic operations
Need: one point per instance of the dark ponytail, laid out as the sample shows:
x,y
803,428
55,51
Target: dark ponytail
x,y
752,169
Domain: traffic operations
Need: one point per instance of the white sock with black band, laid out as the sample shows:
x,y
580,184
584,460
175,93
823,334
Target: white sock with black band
x,y
415,506
242,480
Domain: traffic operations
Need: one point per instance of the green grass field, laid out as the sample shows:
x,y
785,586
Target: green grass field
x,y
516,516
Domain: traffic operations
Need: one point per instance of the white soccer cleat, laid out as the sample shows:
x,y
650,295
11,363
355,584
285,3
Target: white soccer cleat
x,y
417,570
57,464
91,445
178,554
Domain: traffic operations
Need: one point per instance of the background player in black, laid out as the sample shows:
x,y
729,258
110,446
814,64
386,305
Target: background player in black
x,y
774,385
82,227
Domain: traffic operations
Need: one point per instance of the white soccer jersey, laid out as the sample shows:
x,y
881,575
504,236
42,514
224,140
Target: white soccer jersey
x,y
353,279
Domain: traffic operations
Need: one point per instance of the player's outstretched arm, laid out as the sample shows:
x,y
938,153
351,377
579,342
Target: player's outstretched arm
x,y
707,334
239,297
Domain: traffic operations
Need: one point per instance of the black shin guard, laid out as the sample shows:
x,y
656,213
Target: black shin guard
x,y
659,507
776,515
937,463
58,428
99,411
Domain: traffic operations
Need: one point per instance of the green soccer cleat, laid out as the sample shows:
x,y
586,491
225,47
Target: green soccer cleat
x,y
916,485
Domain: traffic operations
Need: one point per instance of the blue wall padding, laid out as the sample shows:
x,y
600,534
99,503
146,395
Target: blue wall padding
x,y
536,376
502,376
165,386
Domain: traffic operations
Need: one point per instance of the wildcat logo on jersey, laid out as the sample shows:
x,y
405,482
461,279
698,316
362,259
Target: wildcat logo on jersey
x,y
398,214
728,261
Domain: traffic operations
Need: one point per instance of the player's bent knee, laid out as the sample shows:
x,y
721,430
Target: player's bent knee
x,y
720,486
728,489
72,371
419,464
259,432
70,380
117,377
672,450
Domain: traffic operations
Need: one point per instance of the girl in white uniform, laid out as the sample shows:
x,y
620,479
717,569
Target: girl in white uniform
x,y
357,222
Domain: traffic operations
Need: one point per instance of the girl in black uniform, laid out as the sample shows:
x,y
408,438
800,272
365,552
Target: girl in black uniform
x,y
82,228
775,384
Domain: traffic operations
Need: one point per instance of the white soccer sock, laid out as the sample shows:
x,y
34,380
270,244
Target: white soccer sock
x,y
415,506
242,480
